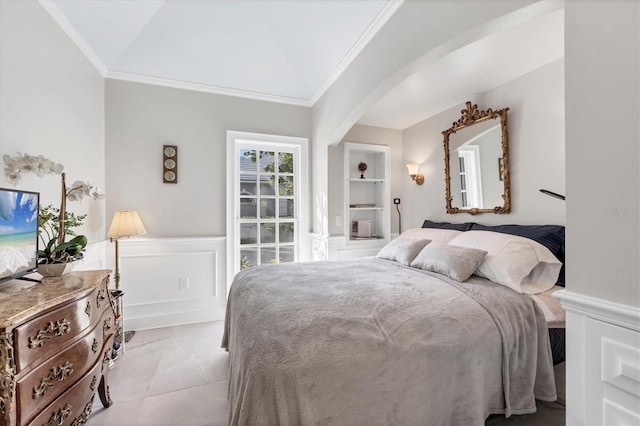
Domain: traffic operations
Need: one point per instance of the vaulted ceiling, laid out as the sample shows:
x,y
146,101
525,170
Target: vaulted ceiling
x,y
282,50
290,51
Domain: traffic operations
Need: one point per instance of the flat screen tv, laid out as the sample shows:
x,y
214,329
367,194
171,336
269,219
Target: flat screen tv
x,y
18,232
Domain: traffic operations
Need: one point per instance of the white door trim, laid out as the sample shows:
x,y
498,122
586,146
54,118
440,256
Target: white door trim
x,y
234,140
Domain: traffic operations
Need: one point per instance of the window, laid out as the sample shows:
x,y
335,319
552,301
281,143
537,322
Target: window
x,y
470,179
267,199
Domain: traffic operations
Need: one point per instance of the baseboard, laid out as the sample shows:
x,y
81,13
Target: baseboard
x,y
171,319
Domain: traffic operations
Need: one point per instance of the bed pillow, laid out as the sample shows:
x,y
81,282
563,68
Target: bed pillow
x,y
446,225
519,263
402,250
437,236
550,236
457,263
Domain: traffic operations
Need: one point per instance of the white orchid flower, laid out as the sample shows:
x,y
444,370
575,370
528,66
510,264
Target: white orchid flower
x,y
29,163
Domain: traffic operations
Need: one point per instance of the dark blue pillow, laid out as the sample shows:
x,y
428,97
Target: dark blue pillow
x,y
550,236
446,225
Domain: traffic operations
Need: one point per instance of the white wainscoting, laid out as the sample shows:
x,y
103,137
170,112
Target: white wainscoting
x,y
603,361
171,281
335,247
95,257
339,249
319,246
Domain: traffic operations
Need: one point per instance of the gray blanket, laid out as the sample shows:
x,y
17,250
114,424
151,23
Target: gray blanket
x,y
371,342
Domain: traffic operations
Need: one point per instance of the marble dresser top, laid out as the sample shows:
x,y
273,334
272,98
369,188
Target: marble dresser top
x,y
20,300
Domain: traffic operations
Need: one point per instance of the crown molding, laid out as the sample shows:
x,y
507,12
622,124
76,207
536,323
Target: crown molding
x,y
383,16
74,35
387,12
199,87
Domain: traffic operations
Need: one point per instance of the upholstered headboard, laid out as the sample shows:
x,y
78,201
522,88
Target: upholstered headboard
x,y
550,236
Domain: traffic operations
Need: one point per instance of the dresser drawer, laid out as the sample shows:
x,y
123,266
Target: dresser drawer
x,y
41,337
51,378
75,405
56,340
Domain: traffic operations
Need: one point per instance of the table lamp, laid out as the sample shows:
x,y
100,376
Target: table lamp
x,y
125,223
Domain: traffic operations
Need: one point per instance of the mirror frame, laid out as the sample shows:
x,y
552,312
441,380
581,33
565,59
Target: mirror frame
x,y
470,116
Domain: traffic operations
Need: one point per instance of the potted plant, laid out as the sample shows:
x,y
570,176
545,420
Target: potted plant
x,y
57,258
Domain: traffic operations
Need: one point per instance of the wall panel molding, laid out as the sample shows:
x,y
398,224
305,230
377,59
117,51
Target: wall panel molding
x,y
603,361
338,248
172,281
95,257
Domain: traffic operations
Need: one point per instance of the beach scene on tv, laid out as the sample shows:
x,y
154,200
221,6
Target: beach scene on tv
x,y
18,232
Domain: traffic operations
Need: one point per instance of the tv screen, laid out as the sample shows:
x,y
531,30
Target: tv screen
x,y
18,232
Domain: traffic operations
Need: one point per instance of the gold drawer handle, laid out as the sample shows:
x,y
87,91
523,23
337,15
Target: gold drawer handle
x,y
87,310
102,294
93,384
84,416
7,376
53,329
58,374
106,326
59,417
107,357
94,346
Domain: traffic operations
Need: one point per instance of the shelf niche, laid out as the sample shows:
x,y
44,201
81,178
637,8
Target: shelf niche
x,y
366,193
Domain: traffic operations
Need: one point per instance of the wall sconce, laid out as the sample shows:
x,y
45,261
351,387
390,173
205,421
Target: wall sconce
x,y
414,168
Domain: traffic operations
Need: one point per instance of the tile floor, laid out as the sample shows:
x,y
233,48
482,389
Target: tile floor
x,y
178,376
169,376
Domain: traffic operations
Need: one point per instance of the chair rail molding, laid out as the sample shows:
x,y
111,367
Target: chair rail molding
x,y
603,310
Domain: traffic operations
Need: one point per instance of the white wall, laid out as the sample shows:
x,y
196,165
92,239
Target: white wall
x,y
370,135
186,222
141,118
418,33
602,54
603,134
51,104
535,122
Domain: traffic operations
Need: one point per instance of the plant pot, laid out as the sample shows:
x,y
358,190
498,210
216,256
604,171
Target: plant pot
x,y
56,269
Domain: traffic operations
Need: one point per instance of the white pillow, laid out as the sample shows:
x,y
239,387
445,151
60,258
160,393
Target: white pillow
x,y
437,236
402,250
519,263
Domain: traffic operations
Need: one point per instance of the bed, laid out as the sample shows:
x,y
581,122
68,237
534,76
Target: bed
x,y
379,341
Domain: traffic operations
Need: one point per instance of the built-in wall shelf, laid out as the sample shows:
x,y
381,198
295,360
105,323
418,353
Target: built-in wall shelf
x,y
366,171
366,180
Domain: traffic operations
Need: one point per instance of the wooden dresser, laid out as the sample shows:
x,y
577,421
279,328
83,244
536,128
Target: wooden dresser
x,y
56,339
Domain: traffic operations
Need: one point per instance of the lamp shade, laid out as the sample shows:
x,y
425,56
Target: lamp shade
x,y
413,168
126,223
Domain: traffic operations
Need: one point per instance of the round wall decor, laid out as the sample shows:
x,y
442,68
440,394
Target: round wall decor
x,y
170,163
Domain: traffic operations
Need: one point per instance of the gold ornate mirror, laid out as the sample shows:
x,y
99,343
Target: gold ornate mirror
x,y
476,162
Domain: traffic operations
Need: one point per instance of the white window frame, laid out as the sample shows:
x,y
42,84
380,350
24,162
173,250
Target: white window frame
x,y
472,175
265,142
